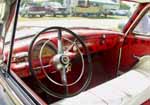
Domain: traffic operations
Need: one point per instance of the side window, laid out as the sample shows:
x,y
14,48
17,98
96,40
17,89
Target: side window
x,y
143,27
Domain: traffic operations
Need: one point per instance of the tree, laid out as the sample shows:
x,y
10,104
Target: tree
x,y
25,1
124,6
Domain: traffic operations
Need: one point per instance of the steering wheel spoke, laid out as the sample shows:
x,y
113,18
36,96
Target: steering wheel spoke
x,y
71,46
64,80
59,42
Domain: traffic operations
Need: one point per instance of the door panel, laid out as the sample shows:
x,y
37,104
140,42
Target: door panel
x,y
134,46
136,43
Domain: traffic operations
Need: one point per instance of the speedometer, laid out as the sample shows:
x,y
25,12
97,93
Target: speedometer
x,y
47,50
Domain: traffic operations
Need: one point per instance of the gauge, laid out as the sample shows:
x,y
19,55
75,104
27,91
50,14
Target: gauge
x,y
47,50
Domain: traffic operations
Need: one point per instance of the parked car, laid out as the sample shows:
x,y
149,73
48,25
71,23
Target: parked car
x,y
122,12
32,9
45,64
94,7
55,8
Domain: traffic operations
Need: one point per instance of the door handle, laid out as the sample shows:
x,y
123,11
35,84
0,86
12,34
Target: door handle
x,y
136,57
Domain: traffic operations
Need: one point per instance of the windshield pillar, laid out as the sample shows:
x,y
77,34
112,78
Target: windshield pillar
x,y
13,36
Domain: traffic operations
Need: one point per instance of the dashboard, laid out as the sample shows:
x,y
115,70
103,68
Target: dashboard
x,y
95,41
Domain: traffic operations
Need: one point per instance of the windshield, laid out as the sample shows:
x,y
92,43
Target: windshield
x,y
94,14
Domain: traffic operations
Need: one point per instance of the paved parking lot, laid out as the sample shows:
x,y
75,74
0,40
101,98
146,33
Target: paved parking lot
x,y
104,23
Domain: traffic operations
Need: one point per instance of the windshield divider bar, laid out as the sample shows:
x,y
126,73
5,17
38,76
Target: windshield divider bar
x,y
13,37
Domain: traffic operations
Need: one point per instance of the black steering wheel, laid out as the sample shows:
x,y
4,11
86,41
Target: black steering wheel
x,y
62,61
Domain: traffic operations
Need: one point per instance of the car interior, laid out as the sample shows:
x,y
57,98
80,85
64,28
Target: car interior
x,y
57,63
